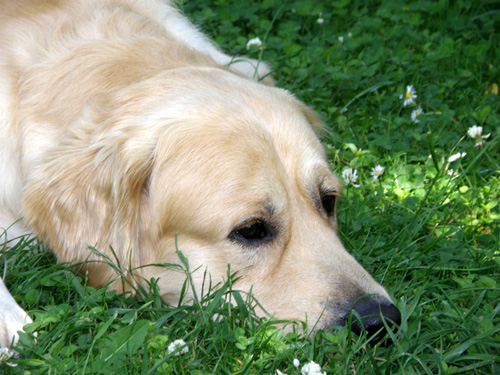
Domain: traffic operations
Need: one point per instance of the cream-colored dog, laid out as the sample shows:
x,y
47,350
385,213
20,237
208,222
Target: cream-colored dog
x,y
124,128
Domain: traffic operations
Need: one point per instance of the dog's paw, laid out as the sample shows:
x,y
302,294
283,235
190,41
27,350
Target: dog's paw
x,y
5,355
12,320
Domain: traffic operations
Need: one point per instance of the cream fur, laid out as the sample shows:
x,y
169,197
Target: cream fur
x,y
12,317
124,126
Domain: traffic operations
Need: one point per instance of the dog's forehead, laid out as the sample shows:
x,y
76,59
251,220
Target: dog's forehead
x,y
235,166
293,131
240,147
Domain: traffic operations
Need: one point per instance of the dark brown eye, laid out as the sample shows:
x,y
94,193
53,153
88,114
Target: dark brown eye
x,y
253,233
328,203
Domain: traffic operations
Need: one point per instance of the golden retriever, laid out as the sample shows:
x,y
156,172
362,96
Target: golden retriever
x,y
123,127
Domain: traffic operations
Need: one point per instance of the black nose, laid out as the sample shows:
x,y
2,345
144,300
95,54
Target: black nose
x,y
373,311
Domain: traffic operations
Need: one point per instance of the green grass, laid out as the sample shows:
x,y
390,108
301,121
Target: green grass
x,y
431,236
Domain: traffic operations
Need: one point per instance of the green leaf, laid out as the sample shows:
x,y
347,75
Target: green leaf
x,y
125,341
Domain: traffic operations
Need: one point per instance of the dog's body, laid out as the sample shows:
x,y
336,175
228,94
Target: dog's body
x,y
124,127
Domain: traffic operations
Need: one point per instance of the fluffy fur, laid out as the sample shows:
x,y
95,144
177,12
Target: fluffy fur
x,y
123,127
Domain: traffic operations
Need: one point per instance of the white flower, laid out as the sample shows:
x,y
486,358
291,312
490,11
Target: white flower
x,y
377,172
176,345
254,42
320,20
456,156
349,34
475,132
409,96
350,176
414,115
341,39
312,368
296,362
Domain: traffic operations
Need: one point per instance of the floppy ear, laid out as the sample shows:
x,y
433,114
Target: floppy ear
x,y
92,189
313,117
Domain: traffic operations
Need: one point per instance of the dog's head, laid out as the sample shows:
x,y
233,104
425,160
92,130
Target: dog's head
x,y
226,170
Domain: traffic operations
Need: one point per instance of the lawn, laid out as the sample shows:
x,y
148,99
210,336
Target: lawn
x,y
427,227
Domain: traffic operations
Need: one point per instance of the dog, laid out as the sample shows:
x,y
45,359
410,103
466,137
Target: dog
x,y
125,128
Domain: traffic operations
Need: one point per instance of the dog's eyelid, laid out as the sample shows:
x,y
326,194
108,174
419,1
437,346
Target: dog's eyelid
x,y
326,192
328,200
329,192
252,232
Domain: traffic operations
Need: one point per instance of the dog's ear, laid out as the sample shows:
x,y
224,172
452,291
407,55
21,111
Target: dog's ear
x,y
92,190
313,117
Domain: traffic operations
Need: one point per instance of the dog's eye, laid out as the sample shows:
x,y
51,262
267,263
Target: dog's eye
x,y
328,202
252,233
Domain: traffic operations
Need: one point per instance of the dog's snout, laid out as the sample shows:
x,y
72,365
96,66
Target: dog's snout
x,y
370,313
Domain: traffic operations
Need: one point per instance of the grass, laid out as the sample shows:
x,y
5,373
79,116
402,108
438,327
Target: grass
x,y
427,228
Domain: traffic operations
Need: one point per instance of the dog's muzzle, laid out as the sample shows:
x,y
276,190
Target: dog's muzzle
x,y
372,314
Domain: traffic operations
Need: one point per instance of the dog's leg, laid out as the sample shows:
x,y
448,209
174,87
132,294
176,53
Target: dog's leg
x,y
183,29
12,318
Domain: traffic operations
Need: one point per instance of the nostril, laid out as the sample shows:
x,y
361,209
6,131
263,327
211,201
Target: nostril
x,y
373,311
